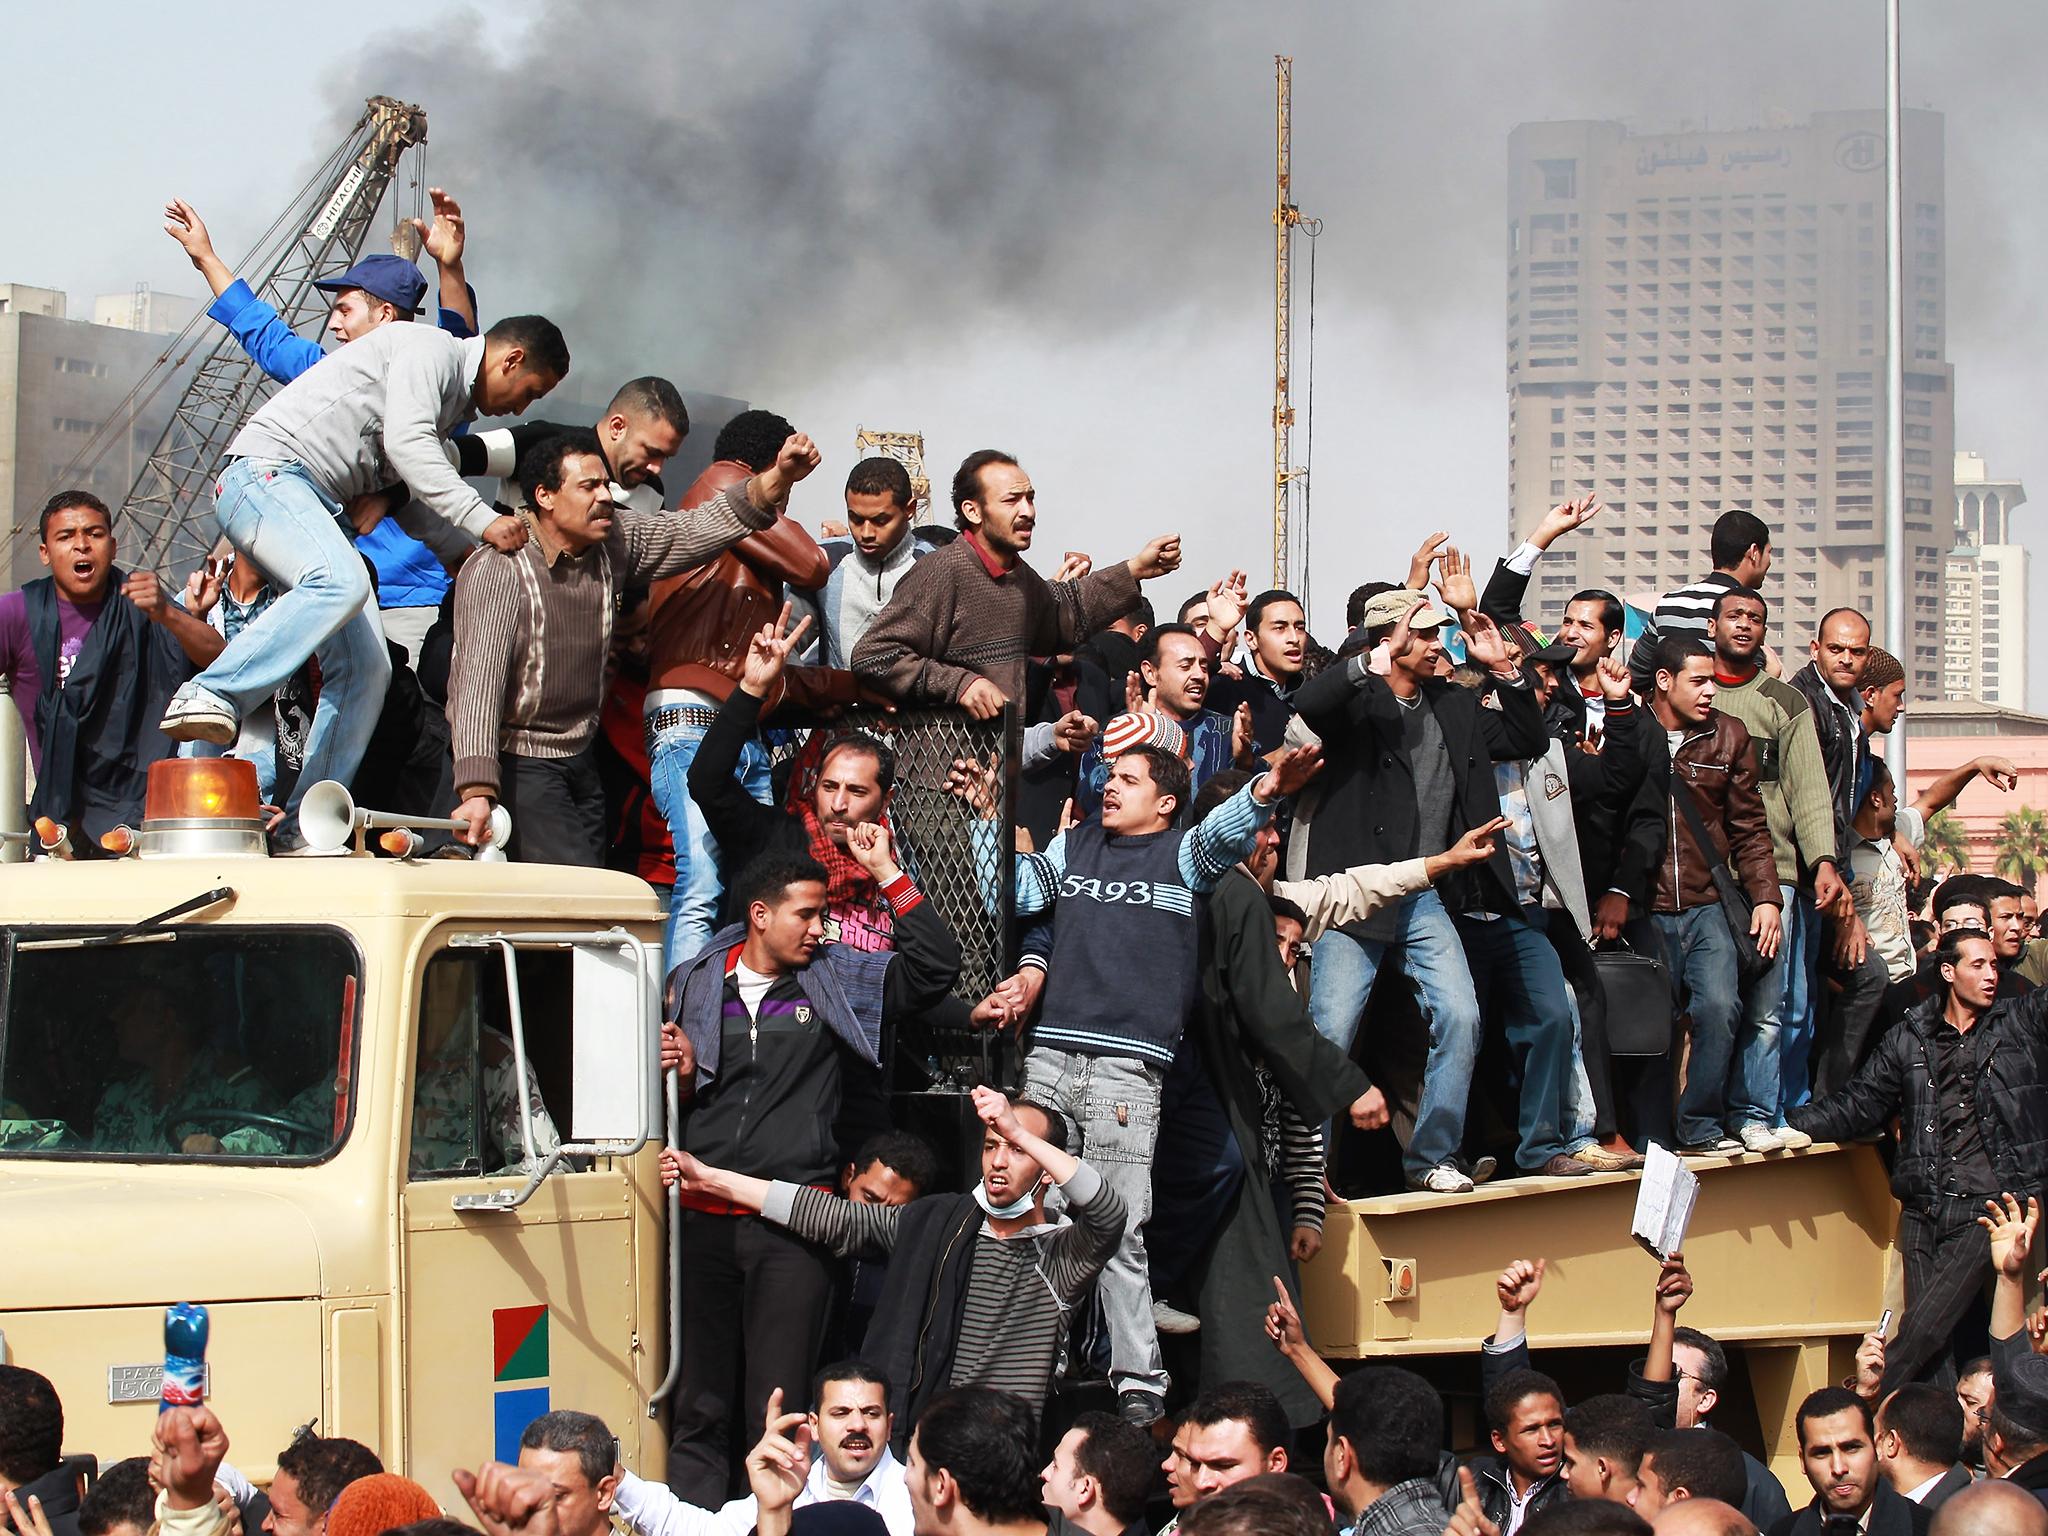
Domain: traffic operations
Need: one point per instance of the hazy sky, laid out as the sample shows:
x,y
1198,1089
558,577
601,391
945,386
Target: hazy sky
x,y
1044,227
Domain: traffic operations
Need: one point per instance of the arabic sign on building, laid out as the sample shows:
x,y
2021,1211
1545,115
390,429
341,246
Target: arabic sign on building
x,y
1679,155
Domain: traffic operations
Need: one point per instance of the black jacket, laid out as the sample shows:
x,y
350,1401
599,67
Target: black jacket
x,y
1844,751
1565,715
1891,1514
1953,1482
1367,812
1247,1015
2032,1476
58,1490
2009,1049
743,827
98,726
1270,711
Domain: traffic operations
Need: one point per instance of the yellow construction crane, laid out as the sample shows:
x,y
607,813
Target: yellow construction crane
x,y
1285,217
907,448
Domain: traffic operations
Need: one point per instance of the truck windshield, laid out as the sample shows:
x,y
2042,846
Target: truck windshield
x,y
217,1043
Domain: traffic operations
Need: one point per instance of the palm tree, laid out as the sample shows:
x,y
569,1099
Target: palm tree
x,y
2023,846
1946,846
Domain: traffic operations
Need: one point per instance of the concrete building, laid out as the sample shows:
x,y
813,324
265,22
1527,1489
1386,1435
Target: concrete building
x,y
1949,734
62,382
1984,592
145,309
1695,324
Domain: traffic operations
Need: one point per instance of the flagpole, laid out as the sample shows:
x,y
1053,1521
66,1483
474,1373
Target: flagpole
x,y
1898,618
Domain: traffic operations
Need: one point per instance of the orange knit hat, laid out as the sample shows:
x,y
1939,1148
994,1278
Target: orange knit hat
x,y
370,1506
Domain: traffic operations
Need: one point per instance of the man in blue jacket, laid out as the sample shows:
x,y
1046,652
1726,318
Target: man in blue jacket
x,y
411,578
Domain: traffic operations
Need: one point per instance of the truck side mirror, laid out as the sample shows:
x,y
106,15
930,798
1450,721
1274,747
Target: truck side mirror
x,y
617,1048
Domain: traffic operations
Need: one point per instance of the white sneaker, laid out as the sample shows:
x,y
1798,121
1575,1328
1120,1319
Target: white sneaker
x,y
1761,1138
1169,1319
1791,1140
1443,1179
197,715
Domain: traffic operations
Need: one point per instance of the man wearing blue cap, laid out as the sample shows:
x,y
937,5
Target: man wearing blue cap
x,y
411,578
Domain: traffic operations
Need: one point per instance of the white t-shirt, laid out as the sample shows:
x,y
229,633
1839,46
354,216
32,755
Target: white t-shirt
x,y
1878,883
752,987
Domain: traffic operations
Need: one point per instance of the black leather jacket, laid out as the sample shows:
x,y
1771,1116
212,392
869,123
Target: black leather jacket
x,y
2010,1050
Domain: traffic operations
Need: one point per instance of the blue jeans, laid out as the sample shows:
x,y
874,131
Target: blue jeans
x,y
272,512
1699,949
1798,1021
700,879
1429,954
1515,969
1755,1095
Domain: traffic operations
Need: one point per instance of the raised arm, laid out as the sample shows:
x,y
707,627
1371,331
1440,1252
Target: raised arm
x,y
444,240
198,640
1283,1327
1674,1288
2011,1233
1231,831
1941,794
995,1112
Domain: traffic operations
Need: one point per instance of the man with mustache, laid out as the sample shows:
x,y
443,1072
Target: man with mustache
x,y
856,778
850,1425
962,623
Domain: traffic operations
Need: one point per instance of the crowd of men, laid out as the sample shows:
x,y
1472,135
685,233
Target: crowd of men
x,y
1450,817
1914,1460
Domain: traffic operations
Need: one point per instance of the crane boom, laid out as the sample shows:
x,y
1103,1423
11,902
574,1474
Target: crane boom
x,y
169,518
907,448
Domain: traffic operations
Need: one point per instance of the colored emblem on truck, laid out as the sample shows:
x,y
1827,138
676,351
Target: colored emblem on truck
x,y
519,1343
519,1352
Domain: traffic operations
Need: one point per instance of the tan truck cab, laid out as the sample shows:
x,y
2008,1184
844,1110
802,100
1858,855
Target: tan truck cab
x,y
395,1121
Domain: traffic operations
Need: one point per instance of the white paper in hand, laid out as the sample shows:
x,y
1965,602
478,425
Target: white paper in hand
x,y
1664,1202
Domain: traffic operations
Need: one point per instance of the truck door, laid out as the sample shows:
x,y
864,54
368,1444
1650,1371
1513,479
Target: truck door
x,y
534,1251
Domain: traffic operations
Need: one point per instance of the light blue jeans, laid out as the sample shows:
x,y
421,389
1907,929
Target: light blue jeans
x,y
1114,1102
700,877
1428,951
273,512
1756,1093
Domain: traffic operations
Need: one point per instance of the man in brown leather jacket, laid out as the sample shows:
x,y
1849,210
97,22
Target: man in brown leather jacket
x,y
1708,756
698,627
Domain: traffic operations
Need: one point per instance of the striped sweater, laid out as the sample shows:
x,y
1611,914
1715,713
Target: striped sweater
x,y
1019,1289
532,630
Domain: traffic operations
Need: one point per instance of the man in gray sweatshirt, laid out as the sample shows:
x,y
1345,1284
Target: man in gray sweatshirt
x,y
376,412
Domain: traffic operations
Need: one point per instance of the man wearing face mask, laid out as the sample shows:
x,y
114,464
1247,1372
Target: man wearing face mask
x,y
987,1278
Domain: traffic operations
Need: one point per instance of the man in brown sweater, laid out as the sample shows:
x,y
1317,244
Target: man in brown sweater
x,y
964,621
532,629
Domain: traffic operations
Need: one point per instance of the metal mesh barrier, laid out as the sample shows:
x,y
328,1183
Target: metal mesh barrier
x,y
962,860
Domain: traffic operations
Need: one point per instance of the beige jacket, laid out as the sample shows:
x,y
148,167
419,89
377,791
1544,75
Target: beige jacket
x,y
1352,895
